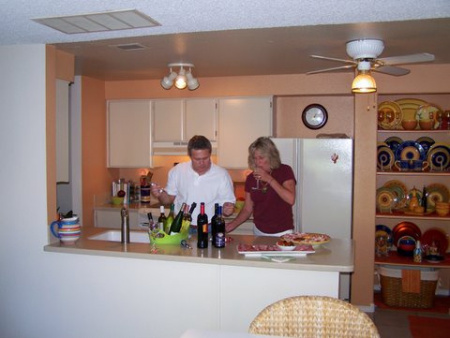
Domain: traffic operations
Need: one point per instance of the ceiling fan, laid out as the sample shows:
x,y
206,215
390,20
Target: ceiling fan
x,y
364,54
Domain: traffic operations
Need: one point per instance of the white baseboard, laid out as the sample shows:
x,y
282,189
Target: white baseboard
x,y
367,309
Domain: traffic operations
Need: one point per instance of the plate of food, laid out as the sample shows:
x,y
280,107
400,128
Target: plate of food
x,y
314,239
273,250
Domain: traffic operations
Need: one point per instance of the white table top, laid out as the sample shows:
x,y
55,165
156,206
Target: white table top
x,y
194,333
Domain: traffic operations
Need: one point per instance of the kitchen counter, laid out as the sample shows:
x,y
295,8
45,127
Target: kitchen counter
x,y
337,255
215,289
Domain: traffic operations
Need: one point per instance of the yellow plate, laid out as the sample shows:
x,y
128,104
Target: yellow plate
x,y
389,115
409,107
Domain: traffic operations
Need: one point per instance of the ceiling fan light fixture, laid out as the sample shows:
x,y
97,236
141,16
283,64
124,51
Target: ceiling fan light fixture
x,y
364,83
182,79
365,48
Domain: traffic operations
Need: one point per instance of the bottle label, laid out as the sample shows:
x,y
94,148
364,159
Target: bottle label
x,y
145,194
219,240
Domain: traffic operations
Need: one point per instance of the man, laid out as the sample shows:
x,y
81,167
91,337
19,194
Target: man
x,y
198,180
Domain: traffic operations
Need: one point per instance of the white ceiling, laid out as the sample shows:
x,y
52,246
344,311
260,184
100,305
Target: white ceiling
x,y
233,37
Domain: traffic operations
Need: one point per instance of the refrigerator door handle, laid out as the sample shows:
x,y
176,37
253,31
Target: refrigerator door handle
x,y
334,158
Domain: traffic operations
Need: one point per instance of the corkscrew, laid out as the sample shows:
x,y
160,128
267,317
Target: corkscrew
x,y
185,244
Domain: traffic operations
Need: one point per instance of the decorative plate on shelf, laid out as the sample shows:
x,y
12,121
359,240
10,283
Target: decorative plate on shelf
x,y
393,142
406,229
409,107
389,115
410,150
437,193
439,157
426,142
386,199
385,157
400,190
436,236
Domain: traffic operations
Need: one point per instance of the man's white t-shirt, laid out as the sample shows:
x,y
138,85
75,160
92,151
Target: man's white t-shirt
x,y
214,186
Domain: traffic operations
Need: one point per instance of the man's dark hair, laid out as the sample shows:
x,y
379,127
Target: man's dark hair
x,y
198,142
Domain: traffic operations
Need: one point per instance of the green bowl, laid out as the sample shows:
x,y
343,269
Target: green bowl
x,y
116,200
168,239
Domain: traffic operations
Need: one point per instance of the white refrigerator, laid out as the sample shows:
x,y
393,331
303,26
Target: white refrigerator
x,y
324,172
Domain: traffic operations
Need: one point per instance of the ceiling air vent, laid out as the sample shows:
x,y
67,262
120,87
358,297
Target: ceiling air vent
x,y
99,22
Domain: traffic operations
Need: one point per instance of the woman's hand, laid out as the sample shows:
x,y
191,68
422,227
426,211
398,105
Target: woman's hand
x,y
262,175
228,208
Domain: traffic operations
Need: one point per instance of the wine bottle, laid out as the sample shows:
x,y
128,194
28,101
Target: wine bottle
x,y
424,199
162,218
202,228
187,218
169,219
213,221
219,233
177,222
145,190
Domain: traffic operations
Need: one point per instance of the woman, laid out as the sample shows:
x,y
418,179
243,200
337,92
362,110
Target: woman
x,y
269,192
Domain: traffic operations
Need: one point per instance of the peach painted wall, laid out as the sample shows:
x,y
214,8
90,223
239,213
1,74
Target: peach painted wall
x,y
96,177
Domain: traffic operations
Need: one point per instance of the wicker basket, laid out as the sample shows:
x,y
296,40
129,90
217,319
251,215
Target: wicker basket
x,y
393,295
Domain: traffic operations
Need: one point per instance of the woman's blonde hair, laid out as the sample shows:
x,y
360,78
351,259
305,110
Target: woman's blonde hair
x,y
268,149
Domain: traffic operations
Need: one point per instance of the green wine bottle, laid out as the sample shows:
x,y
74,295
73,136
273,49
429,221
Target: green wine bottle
x,y
178,221
169,219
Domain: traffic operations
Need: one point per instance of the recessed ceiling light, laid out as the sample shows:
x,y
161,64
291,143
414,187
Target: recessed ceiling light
x,y
99,22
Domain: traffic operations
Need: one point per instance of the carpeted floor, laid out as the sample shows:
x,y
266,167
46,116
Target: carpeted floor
x,y
422,327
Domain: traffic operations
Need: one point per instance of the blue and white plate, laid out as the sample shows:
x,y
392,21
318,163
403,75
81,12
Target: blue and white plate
x,y
439,157
385,157
426,142
410,150
393,142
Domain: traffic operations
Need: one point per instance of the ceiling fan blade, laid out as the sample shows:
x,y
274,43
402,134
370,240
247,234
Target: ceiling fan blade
x,y
391,70
405,59
330,69
332,59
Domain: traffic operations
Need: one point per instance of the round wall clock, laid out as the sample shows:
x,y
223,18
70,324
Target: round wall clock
x,y
314,116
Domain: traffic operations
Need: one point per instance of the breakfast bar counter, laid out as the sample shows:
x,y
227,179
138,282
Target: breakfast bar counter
x,y
220,289
336,255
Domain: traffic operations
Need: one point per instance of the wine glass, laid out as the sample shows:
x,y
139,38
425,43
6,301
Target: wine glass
x,y
258,178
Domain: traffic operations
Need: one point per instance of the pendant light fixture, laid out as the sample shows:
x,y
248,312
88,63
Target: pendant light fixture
x,y
364,82
183,78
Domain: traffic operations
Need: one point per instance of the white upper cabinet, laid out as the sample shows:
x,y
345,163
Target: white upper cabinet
x,y
177,120
201,118
241,121
168,120
129,134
